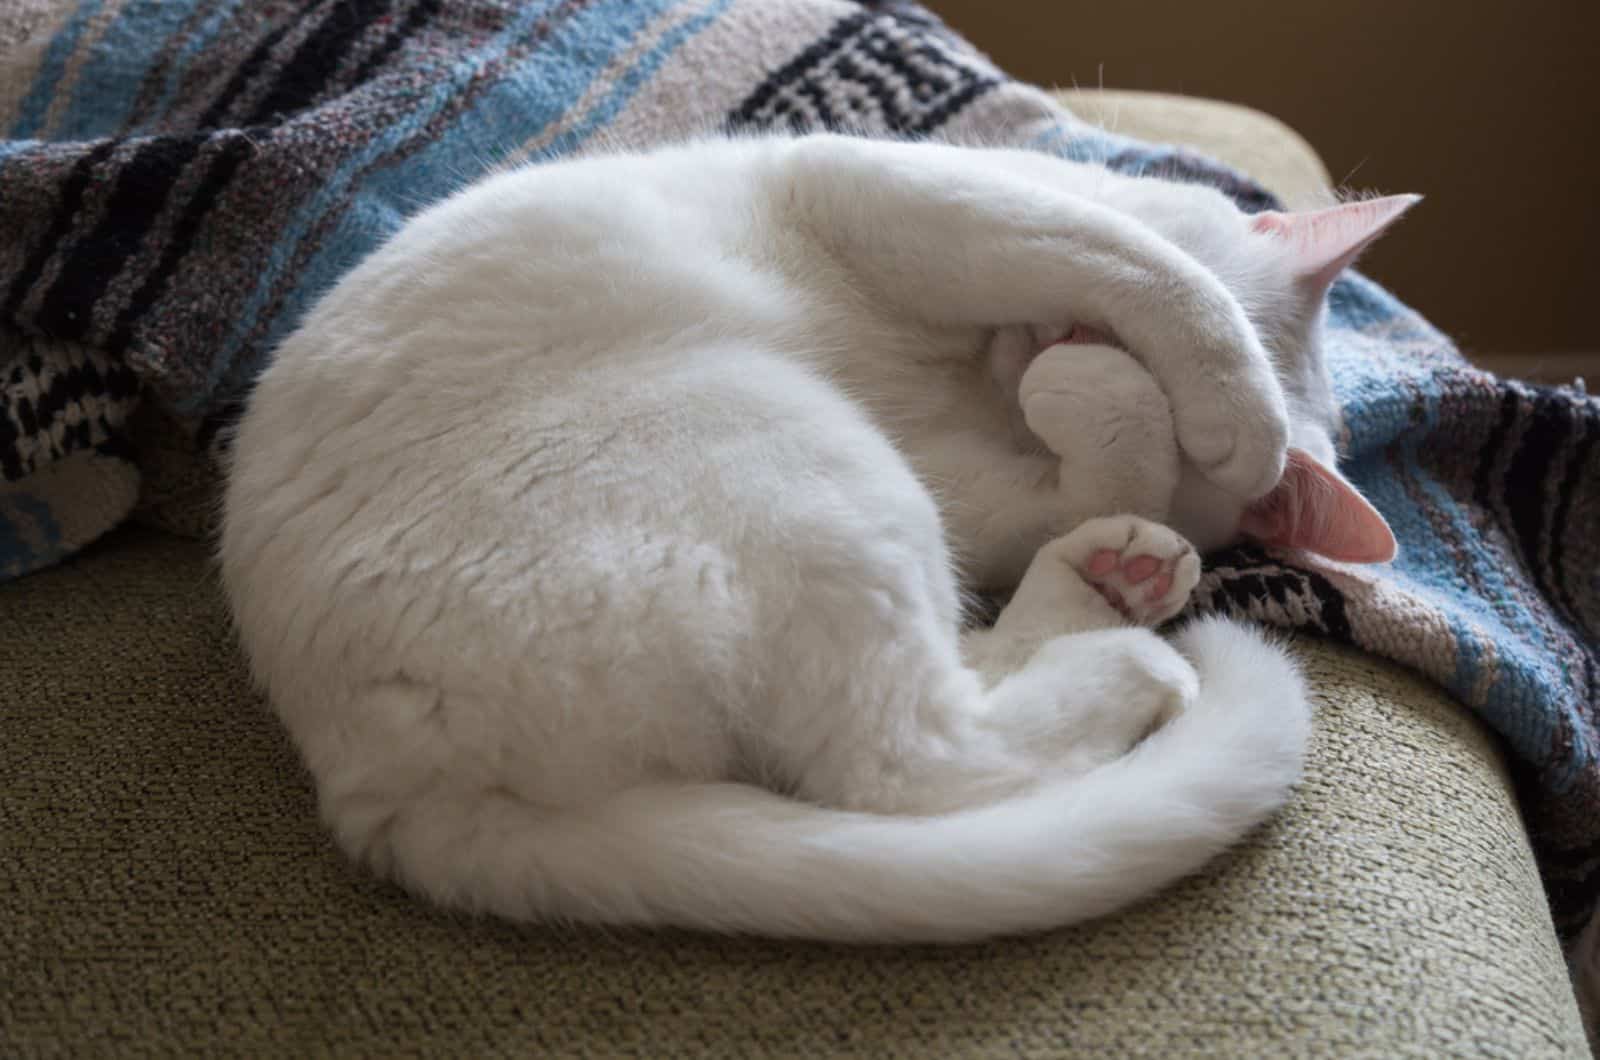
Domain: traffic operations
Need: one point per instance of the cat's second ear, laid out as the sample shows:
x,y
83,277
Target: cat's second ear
x,y
1316,509
1325,241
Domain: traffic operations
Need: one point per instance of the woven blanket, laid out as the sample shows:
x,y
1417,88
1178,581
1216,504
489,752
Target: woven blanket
x,y
178,181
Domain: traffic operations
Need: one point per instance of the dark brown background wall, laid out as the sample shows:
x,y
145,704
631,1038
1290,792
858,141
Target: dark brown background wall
x,y
1492,110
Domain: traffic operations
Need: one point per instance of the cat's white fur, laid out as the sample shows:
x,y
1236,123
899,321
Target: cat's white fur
x,y
597,539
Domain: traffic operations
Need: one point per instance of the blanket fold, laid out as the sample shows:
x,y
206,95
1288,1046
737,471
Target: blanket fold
x,y
180,180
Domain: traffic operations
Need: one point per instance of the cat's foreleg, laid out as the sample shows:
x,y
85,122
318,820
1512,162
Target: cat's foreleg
x,y
1108,573
1091,434
951,237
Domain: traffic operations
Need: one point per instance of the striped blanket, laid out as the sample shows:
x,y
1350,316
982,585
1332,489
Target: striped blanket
x,y
179,179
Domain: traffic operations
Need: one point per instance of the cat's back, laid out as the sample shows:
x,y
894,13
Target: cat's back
x,y
539,395
543,288
591,250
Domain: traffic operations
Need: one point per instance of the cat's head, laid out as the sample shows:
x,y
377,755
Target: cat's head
x,y
1280,266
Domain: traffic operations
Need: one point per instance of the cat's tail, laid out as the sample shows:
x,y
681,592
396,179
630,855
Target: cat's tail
x,y
731,857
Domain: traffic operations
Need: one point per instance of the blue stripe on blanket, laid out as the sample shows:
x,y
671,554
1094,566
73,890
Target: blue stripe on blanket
x,y
1432,567
523,101
101,104
193,47
28,532
31,113
634,79
124,54
12,147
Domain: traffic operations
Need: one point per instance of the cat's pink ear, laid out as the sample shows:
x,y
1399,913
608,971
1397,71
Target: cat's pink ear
x,y
1326,241
1314,508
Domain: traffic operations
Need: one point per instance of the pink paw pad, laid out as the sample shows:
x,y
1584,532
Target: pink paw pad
x,y
1134,586
1140,568
1144,570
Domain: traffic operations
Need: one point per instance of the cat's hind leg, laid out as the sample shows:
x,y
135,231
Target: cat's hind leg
x,y
1106,573
1068,628
1060,685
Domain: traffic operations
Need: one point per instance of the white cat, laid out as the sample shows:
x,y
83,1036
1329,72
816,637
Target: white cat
x,y
597,538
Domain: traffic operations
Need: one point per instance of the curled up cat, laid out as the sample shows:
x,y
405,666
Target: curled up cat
x,y
601,540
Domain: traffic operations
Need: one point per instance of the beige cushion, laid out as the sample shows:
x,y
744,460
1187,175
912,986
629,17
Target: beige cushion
x,y
1246,139
165,885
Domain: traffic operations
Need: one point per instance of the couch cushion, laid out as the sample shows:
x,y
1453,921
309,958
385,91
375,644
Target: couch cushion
x,y
1247,139
165,887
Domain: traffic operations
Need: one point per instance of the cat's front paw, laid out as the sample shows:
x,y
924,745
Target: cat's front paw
x,y
1097,408
1236,431
1143,569
1074,397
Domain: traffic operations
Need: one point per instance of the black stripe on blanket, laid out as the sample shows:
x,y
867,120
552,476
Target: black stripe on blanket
x,y
758,105
1581,467
1570,875
1246,583
100,390
236,147
315,63
419,16
146,180
1483,477
1525,485
1520,484
914,83
67,207
143,183
217,113
940,82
